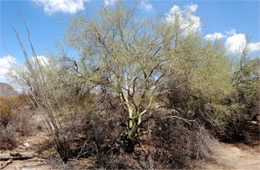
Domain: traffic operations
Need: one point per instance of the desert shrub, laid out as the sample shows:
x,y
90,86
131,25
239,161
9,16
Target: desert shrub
x,y
10,106
240,126
14,120
164,141
97,132
23,123
7,138
6,114
102,128
173,141
202,88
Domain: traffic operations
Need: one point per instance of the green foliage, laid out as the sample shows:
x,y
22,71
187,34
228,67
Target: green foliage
x,y
246,79
201,79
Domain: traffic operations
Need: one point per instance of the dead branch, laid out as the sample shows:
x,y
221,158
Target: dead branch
x,y
3,165
16,156
185,120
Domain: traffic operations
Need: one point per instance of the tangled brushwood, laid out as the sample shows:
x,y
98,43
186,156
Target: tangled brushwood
x,y
141,93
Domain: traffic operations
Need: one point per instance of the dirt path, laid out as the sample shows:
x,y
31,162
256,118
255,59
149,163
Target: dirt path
x,y
29,144
46,157
233,157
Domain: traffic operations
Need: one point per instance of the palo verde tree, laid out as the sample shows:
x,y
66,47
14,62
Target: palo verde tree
x,y
123,54
137,60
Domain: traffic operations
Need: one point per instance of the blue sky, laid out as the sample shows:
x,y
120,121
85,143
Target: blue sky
x,y
229,20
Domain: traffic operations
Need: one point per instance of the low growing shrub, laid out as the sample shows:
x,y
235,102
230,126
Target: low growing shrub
x,y
14,120
7,138
6,114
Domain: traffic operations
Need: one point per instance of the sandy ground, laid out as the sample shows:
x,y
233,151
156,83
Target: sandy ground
x,y
233,157
224,157
45,157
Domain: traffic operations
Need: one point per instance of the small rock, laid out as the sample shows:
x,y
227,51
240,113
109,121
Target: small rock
x,y
26,144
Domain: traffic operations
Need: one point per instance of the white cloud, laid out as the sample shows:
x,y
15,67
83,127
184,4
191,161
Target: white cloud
x,y
192,7
231,32
65,6
42,60
236,43
254,46
109,2
146,5
214,36
189,22
5,63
